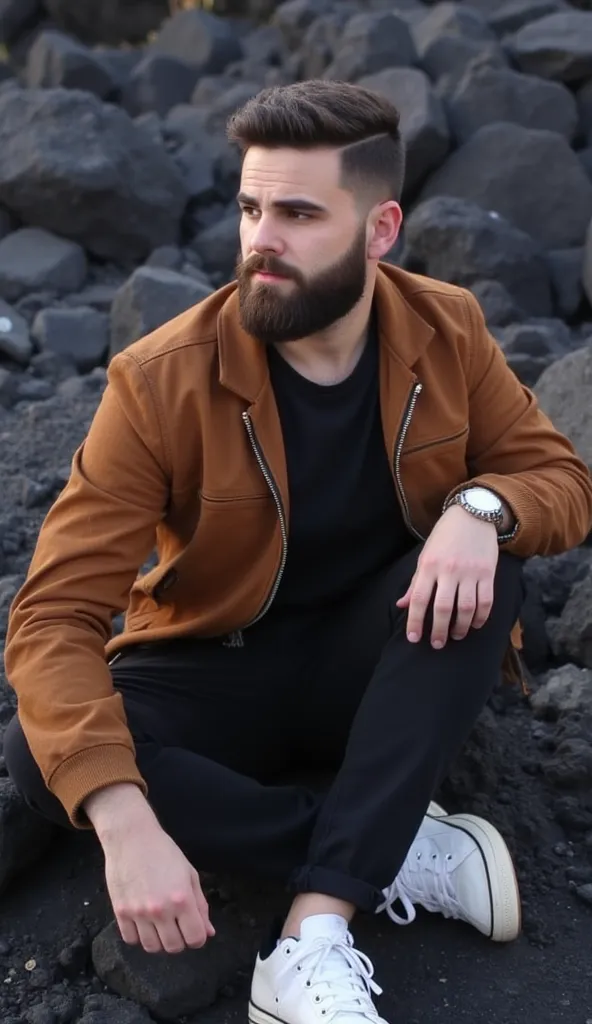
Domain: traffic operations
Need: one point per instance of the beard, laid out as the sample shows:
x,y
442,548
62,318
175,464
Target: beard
x,y
314,303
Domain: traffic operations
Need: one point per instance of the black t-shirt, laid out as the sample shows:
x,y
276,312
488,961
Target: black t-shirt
x,y
345,519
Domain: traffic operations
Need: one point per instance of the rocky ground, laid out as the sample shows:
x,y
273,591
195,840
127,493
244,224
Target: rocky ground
x,y
117,212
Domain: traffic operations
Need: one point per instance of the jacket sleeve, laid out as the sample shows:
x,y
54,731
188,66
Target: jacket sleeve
x,y
91,546
514,450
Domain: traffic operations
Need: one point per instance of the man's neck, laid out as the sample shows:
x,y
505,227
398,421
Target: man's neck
x,y
330,357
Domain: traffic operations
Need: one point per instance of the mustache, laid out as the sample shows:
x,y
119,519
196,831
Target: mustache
x,y
267,265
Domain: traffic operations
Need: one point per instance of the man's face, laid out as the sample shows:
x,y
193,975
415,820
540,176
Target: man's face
x,y
303,260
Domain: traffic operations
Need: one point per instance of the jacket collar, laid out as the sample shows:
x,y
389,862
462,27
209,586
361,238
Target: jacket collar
x,y
402,332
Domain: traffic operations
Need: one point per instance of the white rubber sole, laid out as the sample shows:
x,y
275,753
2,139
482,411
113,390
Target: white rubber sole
x,y
257,1016
506,910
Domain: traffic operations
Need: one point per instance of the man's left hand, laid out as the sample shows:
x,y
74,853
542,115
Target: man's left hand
x,y
458,561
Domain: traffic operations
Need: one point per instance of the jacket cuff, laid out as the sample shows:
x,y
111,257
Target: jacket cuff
x,y
89,770
525,535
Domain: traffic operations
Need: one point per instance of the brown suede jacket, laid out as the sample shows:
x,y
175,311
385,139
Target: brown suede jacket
x,y
185,452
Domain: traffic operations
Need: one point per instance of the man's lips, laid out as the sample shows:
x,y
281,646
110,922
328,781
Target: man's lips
x,y
266,275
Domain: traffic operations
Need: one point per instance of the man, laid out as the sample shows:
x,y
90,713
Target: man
x,y
343,478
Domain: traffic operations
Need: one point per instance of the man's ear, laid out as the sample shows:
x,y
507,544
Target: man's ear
x,y
385,224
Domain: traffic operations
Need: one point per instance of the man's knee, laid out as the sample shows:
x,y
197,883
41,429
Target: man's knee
x,y
20,764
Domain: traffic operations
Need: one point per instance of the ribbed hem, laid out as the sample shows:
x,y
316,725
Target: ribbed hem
x,y
333,883
89,770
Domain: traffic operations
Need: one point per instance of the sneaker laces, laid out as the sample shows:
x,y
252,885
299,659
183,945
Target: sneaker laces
x,y
340,976
424,879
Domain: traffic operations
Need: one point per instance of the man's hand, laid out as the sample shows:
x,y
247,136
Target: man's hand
x,y
458,560
155,892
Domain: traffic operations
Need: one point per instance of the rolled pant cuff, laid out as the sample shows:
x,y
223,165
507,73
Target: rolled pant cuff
x,y
332,883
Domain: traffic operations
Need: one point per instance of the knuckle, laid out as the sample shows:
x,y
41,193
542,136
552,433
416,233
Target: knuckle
x,y
179,900
154,909
466,605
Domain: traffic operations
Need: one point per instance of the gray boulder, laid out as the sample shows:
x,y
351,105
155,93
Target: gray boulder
x,y
200,39
371,42
587,264
172,987
514,14
566,690
499,168
558,46
149,298
570,635
158,82
16,16
423,122
485,95
32,259
457,241
81,168
15,341
115,22
218,246
450,55
293,18
80,335
531,347
566,278
56,59
584,102
555,576
450,19
564,391
498,306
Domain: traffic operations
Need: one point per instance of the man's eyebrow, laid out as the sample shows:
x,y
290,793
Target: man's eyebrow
x,y
295,203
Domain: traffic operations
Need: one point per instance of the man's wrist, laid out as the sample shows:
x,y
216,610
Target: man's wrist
x,y
118,808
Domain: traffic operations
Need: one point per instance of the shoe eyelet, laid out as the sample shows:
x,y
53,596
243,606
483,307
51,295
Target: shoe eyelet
x,y
418,855
307,984
317,999
448,856
299,967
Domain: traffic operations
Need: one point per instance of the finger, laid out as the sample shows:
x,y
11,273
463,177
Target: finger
x,y
466,605
484,602
202,905
443,608
421,594
404,601
191,922
149,939
129,932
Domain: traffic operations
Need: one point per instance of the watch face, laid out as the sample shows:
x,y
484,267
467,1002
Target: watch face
x,y
482,499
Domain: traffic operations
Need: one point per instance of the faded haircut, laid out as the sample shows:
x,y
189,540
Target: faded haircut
x,y
319,113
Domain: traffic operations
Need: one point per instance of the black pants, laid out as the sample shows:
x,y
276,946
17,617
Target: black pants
x,y
217,728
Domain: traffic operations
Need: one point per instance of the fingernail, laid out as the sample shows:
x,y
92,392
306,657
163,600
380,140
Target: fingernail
x,y
437,645
412,637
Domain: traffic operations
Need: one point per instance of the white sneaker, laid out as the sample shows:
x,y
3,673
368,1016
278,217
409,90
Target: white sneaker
x,y
319,977
459,866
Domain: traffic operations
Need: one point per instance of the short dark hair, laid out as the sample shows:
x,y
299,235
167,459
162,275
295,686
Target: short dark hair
x,y
316,113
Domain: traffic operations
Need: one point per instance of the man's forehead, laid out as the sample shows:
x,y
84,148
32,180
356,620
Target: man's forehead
x,y
311,173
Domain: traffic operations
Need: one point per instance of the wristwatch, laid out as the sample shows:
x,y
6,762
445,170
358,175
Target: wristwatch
x,y
481,503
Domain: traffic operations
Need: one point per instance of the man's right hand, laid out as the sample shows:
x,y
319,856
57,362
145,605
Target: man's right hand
x,y
155,892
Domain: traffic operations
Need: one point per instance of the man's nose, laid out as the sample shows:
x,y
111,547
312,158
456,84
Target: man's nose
x,y
266,238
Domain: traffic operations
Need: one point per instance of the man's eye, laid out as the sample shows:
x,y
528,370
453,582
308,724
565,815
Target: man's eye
x,y
298,215
249,211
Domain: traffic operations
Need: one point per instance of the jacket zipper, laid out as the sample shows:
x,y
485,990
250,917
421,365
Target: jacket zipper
x,y
414,395
282,518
